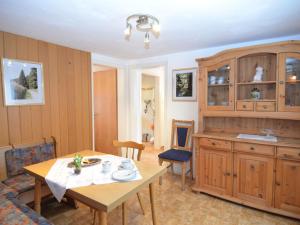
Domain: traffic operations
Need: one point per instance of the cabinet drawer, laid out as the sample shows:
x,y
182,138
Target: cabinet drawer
x,y
265,106
215,143
288,153
244,106
254,148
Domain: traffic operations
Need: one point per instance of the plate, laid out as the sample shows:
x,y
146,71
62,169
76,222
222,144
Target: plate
x,y
123,175
87,162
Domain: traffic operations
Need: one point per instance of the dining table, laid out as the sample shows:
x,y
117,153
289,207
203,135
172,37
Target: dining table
x,y
102,197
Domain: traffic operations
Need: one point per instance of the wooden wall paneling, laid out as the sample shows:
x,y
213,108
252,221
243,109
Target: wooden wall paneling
x,y
66,114
54,100
36,113
71,101
63,100
45,109
25,111
4,138
85,99
78,98
13,112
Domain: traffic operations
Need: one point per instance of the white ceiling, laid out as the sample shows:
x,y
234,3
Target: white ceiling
x,y
97,25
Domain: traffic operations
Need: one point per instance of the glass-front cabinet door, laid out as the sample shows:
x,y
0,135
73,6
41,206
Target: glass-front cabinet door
x,y
289,82
220,88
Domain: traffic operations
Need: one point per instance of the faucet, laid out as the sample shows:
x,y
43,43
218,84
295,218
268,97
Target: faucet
x,y
267,132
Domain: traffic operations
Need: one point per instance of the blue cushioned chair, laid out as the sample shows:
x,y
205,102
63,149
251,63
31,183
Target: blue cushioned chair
x,y
181,148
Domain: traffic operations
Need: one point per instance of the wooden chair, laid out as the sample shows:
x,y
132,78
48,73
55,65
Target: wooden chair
x,y
181,148
133,150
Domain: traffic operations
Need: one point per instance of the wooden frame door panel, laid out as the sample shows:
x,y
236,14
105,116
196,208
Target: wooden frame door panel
x,y
253,178
215,171
283,82
230,106
287,189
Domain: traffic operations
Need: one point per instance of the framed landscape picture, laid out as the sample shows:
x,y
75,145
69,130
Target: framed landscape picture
x,y
184,84
22,82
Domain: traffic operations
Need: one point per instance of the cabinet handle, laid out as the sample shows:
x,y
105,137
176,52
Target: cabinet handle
x,y
264,106
244,106
234,175
213,143
260,195
277,183
226,174
230,84
281,82
299,154
282,96
252,148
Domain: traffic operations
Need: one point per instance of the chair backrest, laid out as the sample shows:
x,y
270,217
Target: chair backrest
x,y
181,134
130,145
26,154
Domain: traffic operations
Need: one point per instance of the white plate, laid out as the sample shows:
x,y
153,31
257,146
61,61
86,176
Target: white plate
x,y
123,175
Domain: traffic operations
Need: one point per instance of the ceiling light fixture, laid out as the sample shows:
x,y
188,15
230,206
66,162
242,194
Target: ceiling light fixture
x,y
144,23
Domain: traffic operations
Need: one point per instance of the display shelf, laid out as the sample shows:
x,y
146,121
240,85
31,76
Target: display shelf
x,y
257,83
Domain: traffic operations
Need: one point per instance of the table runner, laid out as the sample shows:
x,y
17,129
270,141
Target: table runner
x,y
60,177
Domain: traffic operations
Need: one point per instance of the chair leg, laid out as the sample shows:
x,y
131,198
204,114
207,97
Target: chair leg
x,y
191,169
183,171
160,161
140,201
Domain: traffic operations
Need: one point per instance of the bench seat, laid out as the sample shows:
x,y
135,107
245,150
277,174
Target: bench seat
x,y
21,183
13,211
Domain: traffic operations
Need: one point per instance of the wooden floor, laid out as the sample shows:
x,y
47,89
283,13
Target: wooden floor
x,y
173,206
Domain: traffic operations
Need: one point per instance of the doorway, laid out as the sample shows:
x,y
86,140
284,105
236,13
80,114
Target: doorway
x,y
105,108
152,109
148,108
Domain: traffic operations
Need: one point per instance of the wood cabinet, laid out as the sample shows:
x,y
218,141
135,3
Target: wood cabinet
x,y
287,195
215,171
287,185
260,175
230,83
220,86
253,178
253,90
289,82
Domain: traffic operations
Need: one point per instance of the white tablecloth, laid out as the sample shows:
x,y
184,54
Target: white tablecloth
x,y
61,177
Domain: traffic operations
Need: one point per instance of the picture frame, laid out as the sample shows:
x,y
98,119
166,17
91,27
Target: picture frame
x,y
23,82
184,84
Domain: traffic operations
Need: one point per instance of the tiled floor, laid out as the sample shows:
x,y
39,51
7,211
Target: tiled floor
x,y
173,206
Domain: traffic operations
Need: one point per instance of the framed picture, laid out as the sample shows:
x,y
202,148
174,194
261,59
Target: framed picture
x,y
184,84
22,82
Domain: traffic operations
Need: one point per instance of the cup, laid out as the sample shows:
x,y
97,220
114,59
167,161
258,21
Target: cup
x,y
212,79
221,80
126,164
106,166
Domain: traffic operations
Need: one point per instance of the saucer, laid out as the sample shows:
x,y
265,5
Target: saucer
x,y
124,175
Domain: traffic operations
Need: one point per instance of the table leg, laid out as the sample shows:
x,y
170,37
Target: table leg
x,y
37,195
151,188
102,217
124,214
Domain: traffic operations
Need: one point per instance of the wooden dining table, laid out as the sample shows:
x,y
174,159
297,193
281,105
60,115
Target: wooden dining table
x,y
104,197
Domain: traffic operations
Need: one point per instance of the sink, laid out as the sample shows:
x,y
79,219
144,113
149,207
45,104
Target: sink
x,y
258,137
